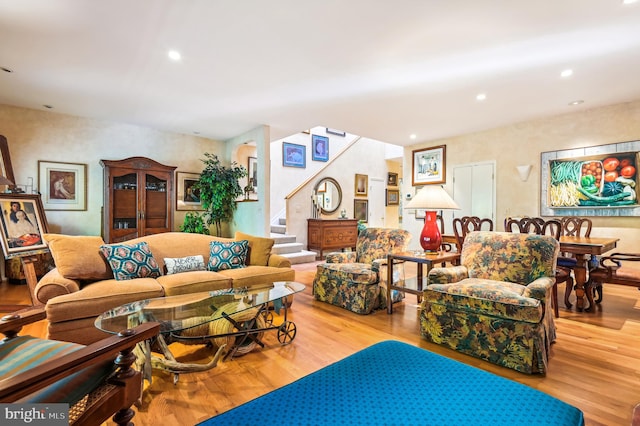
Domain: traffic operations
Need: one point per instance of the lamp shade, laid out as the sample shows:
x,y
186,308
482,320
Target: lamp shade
x,y
431,198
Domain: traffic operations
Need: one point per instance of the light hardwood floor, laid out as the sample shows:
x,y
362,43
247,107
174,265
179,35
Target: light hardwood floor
x,y
594,365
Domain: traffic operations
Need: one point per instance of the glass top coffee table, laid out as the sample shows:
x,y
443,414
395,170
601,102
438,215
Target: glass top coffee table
x,y
234,320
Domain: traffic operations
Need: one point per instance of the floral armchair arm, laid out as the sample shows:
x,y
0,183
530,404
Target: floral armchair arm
x,y
447,275
540,288
341,257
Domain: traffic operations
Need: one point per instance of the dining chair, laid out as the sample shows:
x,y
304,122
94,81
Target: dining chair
x,y
574,226
550,227
465,224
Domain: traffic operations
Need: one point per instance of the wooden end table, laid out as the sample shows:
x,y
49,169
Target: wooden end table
x,y
420,258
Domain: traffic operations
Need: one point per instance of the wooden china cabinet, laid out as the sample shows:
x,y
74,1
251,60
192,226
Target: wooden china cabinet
x,y
138,198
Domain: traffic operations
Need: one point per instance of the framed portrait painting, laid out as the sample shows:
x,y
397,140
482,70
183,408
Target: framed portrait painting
x,y
361,210
187,195
22,224
392,179
429,166
63,185
319,148
294,155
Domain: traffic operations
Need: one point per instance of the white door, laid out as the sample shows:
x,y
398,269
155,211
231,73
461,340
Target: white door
x,y
474,190
376,202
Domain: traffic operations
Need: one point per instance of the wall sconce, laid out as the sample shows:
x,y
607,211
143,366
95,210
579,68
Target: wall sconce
x,y
524,172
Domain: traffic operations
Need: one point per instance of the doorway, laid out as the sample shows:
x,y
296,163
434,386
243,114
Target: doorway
x,y
474,190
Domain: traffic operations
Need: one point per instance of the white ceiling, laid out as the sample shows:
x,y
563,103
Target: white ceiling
x,y
379,69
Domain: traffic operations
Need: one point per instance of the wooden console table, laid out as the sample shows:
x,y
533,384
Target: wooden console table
x,y
331,234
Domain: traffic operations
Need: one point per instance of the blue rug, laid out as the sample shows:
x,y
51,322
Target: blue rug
x,y
393,383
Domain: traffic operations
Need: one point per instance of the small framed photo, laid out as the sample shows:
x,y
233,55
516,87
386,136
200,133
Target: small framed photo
x,y
319,148
393,197
187,195
361,185
23,223
294,155
429,166
361,210
253,172
392,179
63,185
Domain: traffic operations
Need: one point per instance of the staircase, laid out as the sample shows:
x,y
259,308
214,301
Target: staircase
x,y
286,245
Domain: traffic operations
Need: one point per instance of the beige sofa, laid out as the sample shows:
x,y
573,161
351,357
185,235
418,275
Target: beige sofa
x,y
82,286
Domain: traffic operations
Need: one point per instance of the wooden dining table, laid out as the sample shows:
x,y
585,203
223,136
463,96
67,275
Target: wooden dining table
x,y
580,247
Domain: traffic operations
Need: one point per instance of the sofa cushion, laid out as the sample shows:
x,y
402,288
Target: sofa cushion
x,y
99,297
227,255
78,257
129,261
193,282
259,248
184,264
252,276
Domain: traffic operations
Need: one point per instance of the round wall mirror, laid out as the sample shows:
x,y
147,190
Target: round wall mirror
x,y
328,195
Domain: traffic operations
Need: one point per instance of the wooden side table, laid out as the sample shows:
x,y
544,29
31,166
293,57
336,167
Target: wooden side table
x,y
427,258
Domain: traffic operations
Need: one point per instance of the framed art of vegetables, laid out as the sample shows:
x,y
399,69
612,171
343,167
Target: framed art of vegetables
x,y
592,181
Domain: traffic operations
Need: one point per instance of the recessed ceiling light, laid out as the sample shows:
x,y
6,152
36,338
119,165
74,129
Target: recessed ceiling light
x,y
174,55
48,106
578,102
195,132
481,96
412,136
629,1
566,73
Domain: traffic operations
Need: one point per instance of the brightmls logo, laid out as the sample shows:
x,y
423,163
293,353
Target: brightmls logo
x,y
34,414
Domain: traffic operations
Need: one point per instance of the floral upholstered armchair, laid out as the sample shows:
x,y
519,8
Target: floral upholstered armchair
x,y
357,280
495,305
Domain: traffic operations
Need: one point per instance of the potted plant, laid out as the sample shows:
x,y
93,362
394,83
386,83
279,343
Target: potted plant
x,y
194,223
219,188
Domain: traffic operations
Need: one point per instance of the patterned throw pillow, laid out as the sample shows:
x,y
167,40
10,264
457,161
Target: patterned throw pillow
x,y
228,255
184,264
131,261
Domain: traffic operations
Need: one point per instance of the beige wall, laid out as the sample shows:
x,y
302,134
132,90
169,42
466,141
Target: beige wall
x,y
35,135
523,143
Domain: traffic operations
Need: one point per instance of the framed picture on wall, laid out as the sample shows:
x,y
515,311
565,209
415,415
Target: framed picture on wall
x,y
361,210
294,155
187,196
253,172
319,148
63,185
429,165
393,197
23,223
361,185
392,179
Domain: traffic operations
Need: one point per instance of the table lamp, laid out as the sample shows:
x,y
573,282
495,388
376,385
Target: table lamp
x,y
431,198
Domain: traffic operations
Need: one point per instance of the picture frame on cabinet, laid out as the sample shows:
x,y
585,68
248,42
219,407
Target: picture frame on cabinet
x,y
429,165
23,224
63,186
187,196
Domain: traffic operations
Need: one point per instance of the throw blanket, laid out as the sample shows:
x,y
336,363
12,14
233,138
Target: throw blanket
x,y
393,383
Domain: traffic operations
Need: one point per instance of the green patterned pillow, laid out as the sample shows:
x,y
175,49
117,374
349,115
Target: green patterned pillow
x,y
129,261
228,255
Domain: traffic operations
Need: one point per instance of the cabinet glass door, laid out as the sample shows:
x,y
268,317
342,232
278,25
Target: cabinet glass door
x,y
156,202
125,202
